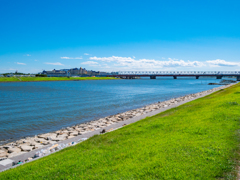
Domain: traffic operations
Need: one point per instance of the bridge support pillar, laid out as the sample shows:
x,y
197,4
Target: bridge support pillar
x,y
174,77
152,77
219,77
238,78
197,77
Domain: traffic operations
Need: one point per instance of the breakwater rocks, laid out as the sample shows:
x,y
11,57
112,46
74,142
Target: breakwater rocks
x,y
31,143
223,82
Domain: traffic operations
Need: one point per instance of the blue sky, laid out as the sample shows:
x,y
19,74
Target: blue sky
x,y
119,35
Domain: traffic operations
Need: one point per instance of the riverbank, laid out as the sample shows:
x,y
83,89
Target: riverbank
x,y
197,140
42,79
28,144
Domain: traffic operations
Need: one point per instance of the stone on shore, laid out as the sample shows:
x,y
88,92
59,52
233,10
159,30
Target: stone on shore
x,y
47,136
60,137
41,141
14,150
37,146
69,137
74,133
3,154
7,147
31,142
26,147
58,132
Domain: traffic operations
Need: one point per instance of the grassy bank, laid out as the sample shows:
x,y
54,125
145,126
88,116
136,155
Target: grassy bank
x,y
198,140
25,79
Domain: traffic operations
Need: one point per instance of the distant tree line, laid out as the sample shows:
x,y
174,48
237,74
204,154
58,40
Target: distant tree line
x,y
16,73
41,75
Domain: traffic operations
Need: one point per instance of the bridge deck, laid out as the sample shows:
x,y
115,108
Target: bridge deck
x,y
153,75
147,75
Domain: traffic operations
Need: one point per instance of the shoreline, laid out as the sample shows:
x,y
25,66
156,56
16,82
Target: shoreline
x,y
28,144
58,80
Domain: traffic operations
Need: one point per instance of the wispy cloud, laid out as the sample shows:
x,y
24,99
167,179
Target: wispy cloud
x,y
86,54
7,70
220,62
21,63
28,55
71,57
35,60
90,63
55,63
130,63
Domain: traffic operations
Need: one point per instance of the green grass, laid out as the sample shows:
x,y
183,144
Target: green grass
x,y
19,79
198,140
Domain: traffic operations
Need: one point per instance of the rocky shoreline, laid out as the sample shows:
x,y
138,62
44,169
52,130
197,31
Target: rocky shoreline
x,y
28,144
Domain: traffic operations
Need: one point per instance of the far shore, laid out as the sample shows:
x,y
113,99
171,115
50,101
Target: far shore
x,y
47,79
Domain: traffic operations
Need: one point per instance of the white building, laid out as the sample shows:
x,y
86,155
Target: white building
x,y
56,73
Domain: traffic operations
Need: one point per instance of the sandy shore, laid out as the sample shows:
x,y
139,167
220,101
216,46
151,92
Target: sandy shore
x,y
88,129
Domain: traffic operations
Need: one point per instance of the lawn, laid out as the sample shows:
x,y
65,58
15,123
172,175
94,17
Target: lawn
x,y
19,79
197,140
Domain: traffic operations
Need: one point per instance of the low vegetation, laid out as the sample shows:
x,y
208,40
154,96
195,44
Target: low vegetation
x,y
197,140
19,79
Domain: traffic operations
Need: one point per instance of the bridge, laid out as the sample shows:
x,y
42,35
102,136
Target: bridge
x,y
175,74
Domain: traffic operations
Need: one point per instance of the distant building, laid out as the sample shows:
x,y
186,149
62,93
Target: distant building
x,y
93,73
1,75
74,72
80,71
28,75
65,70
56,73
9,75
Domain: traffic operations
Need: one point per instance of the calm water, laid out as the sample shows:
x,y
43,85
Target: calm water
x,y
30,108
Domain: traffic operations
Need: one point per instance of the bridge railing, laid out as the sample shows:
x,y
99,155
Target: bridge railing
x,y
179,73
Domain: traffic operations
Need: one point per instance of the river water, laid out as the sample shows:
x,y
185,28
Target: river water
x,y
30,108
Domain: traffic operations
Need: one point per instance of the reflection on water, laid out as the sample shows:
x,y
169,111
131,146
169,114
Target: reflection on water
x,y
30,108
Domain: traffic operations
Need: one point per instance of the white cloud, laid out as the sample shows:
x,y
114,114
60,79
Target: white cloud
x,y
90,63
86,54
56,63
134,57
71,57
219,62
130,63
35,60
28,55
21,63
